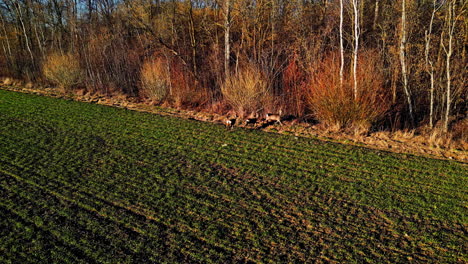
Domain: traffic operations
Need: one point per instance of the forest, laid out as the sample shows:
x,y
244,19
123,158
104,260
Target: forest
x,y
350,64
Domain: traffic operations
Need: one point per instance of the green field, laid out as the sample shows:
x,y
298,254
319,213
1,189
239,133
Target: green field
x,y
85,183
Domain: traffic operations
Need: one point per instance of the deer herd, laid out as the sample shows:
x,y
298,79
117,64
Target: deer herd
x,y
253,120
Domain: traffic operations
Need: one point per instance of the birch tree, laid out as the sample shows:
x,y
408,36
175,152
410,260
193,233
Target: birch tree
x,y
193,40
8,53
356,32
451,21
23,27
403,60
341,44
429,63
227,37
376,14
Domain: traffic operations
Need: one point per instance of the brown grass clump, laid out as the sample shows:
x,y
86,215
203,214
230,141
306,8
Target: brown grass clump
x,y
63,70
8,81
438,138
172,83
456,138
336,106
460,130
155,79
247,91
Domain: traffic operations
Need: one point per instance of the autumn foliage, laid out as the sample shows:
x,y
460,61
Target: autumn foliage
x,y
247,91
294,88
335,104
262,56
155,79
63,69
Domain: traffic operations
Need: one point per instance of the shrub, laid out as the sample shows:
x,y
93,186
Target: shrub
x,y
335,105
113,63
185,90
460,130
63,70
294,90
247,91
155,79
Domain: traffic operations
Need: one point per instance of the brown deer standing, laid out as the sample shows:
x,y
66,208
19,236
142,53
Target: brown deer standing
x,y
275,118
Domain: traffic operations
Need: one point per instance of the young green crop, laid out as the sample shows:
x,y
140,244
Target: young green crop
x,y
88,183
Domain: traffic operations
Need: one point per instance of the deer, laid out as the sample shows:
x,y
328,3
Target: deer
x,y
230,121
251,119
275,118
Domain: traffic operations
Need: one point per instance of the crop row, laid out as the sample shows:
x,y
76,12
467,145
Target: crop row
x,y
97,184
323,169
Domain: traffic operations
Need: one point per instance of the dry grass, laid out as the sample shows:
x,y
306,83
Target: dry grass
x,y
460,130
11,81
247,91
408,141
7,81
403,135
155,79
172,84
63,69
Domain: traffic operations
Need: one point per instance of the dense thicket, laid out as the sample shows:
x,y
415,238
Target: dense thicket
x,y
420,48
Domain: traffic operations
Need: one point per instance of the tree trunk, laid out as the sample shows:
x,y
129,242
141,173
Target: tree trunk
x,y
356,46
403,61
10,56
376,14
451,21
26,37
341,44
429,65
227,32
193,40
272,24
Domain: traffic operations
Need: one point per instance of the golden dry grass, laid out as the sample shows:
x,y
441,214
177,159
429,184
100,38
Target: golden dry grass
x,y
63,69
246,91
155,79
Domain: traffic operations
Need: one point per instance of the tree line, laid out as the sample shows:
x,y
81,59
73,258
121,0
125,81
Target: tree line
x,y
390,63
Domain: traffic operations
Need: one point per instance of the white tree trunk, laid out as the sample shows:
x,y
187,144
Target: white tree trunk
x,y
341,44
403,60
39,43
451,27
376,14
272,24
193,40
227,32
7,39
24,32
429,65
356,45
449,96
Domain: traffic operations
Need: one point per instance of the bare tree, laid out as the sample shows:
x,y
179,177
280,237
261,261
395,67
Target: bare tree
x,y
403,60
193,40
227,36
429,63
341,43
26,37
357,31
9,55
376,14
451,21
